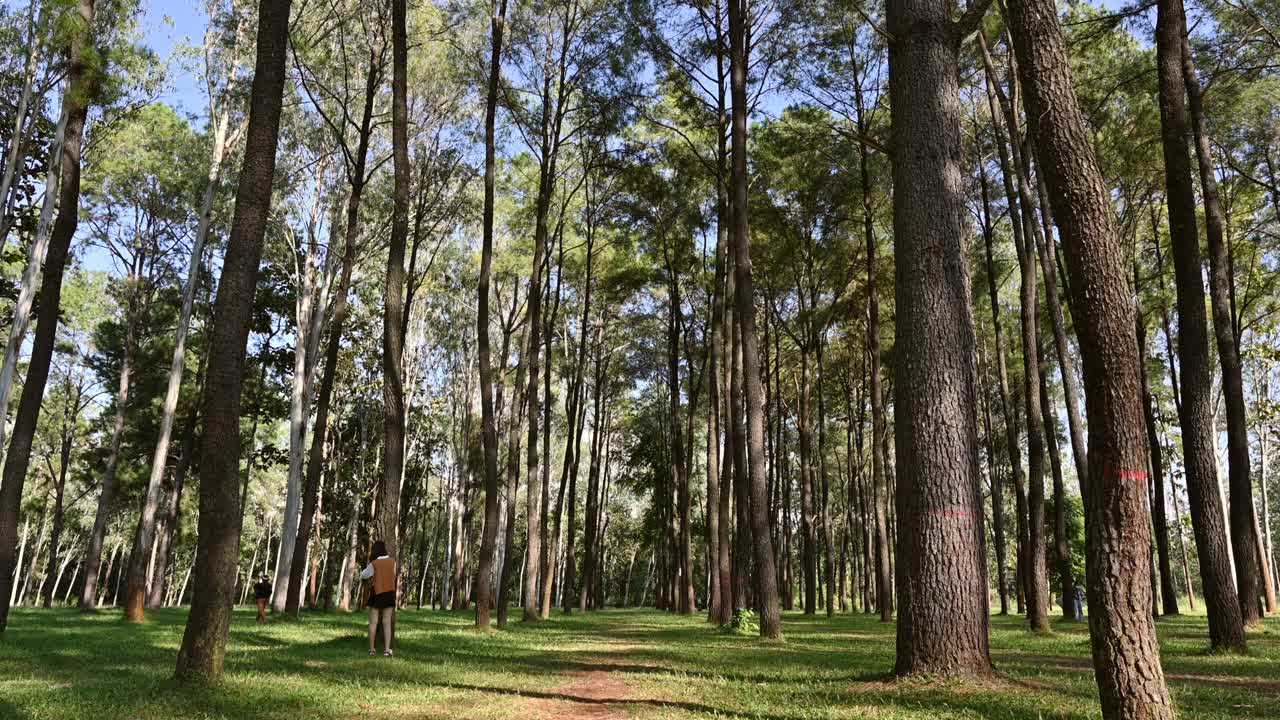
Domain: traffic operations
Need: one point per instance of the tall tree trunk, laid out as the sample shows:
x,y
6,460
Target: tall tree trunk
x,y
1126,654
884,580
1066,577
394,310
533,497
31,273
518,405
569,594
103,515
1269,556
1015,167
172,530
82,85
591,570
1006,402
204,641
679,469
1159,521
488,430
941,559
70,416
1242,519
1036,574
753,391
808,532
22,130
1066,361
1226,627
718,582
825,483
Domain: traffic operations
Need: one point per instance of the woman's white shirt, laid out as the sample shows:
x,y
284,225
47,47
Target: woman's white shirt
x,y
367,573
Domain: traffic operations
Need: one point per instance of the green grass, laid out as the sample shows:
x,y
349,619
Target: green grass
x,y
615,664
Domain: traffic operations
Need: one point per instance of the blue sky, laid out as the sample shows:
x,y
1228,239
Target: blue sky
x,y
166,25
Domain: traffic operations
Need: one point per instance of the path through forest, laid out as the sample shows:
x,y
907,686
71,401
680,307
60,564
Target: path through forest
x,y
633,664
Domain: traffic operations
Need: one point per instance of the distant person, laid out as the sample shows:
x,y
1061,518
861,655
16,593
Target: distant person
x,y
262,593
382,597
1079,601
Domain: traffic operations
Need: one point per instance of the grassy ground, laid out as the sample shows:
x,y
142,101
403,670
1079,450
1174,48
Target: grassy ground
x,y
616,664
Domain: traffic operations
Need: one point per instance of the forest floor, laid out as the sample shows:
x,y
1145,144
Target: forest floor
x,y
614,664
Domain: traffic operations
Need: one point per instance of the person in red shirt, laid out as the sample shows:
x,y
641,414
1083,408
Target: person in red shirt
x,y
382,598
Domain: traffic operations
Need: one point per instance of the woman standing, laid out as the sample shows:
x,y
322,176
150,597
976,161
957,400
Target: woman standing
x,y
382,599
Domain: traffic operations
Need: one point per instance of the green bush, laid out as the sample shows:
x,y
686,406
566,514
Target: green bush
x,y
744,622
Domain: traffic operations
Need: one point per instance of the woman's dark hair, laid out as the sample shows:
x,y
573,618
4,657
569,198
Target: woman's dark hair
x,y
379,548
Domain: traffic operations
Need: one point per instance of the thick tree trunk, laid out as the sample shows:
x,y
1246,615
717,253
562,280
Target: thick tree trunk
x,y
941,559
1243,521
753,391
82,76
1226,627
1126,654
204,642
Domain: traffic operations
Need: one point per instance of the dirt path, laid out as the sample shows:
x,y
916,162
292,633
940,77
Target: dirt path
x,y
587,694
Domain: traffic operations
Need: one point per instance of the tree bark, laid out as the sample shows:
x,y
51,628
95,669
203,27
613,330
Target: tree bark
x,y
1243,522
203,647
488,430
1036,574
1126,655
394,310
753,391
31,273
1006,402
718,590
82,76
941,559
1226,627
